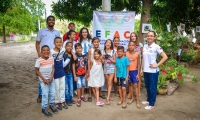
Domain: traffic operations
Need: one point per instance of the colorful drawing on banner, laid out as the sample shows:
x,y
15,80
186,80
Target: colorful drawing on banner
x,y
146,28
107,25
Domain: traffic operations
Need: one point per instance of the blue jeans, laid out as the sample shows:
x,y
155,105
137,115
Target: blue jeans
x,y
68,86
39,88
48,90
151,81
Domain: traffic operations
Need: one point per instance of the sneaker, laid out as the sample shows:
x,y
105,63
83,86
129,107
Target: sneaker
x,y
64,105
46,113
72,101
99,103
78,104
39,99
59,106
53,109
68,102
149,107
83,99
145,102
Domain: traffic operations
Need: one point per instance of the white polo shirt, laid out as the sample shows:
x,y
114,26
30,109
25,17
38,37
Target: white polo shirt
x,y
46,37
149,56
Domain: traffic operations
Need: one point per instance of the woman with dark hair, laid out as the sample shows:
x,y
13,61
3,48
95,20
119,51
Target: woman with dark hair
x,y
85,40
150,68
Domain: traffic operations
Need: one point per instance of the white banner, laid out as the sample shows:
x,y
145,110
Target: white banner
x,y
107,25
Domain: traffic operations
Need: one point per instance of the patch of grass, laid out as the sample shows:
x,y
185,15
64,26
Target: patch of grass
x,y
22,40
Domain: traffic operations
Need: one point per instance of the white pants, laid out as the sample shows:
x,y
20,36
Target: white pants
x,y
60,90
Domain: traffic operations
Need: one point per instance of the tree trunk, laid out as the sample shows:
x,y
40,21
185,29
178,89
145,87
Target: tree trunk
x,y
145,16
4,34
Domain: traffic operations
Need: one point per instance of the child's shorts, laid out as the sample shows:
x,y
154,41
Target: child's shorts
x,y
81,81
121,82
132,75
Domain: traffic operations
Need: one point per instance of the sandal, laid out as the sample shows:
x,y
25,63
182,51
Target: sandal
x,y
138,106
89,99
129,102
119,103
124,106
103,96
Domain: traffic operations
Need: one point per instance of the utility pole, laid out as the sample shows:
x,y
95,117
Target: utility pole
x,y
106,5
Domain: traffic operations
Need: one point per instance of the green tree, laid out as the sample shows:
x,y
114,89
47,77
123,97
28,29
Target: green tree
x,y
176,12
162,11
19,15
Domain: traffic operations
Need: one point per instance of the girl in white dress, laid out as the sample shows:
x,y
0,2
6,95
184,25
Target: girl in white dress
x,y
96,79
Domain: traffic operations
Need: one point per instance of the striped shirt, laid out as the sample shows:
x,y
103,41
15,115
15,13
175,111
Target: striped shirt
x,y
45,66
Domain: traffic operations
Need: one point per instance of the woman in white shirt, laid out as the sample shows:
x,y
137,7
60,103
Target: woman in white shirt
x,y
150,68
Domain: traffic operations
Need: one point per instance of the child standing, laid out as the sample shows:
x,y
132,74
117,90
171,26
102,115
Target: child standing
x,y
138,48
68,73
59,75
44,68
95,43
96,79
134,67
121,76
109,67
71,36
79,70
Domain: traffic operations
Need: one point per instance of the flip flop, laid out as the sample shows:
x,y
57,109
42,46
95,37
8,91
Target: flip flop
x,y
129,102
119,103
138,106
103,96
124,106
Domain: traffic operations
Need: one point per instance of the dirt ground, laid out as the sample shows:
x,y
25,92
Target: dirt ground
x,y
18,93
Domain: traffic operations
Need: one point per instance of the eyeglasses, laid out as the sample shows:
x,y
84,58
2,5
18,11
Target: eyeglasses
x,y
150,36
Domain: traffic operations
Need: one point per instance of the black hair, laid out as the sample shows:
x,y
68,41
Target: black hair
x,y
57,38
120,48
81,36
71,23
98,51
95,38
115,38
68,43
69,33
44,47
132,42
78,45
111,47
50,16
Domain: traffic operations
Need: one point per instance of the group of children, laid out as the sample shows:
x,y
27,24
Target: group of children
x,y
87,65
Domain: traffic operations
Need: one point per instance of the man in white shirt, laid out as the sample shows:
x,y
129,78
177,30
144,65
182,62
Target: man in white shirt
x,y
46,37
